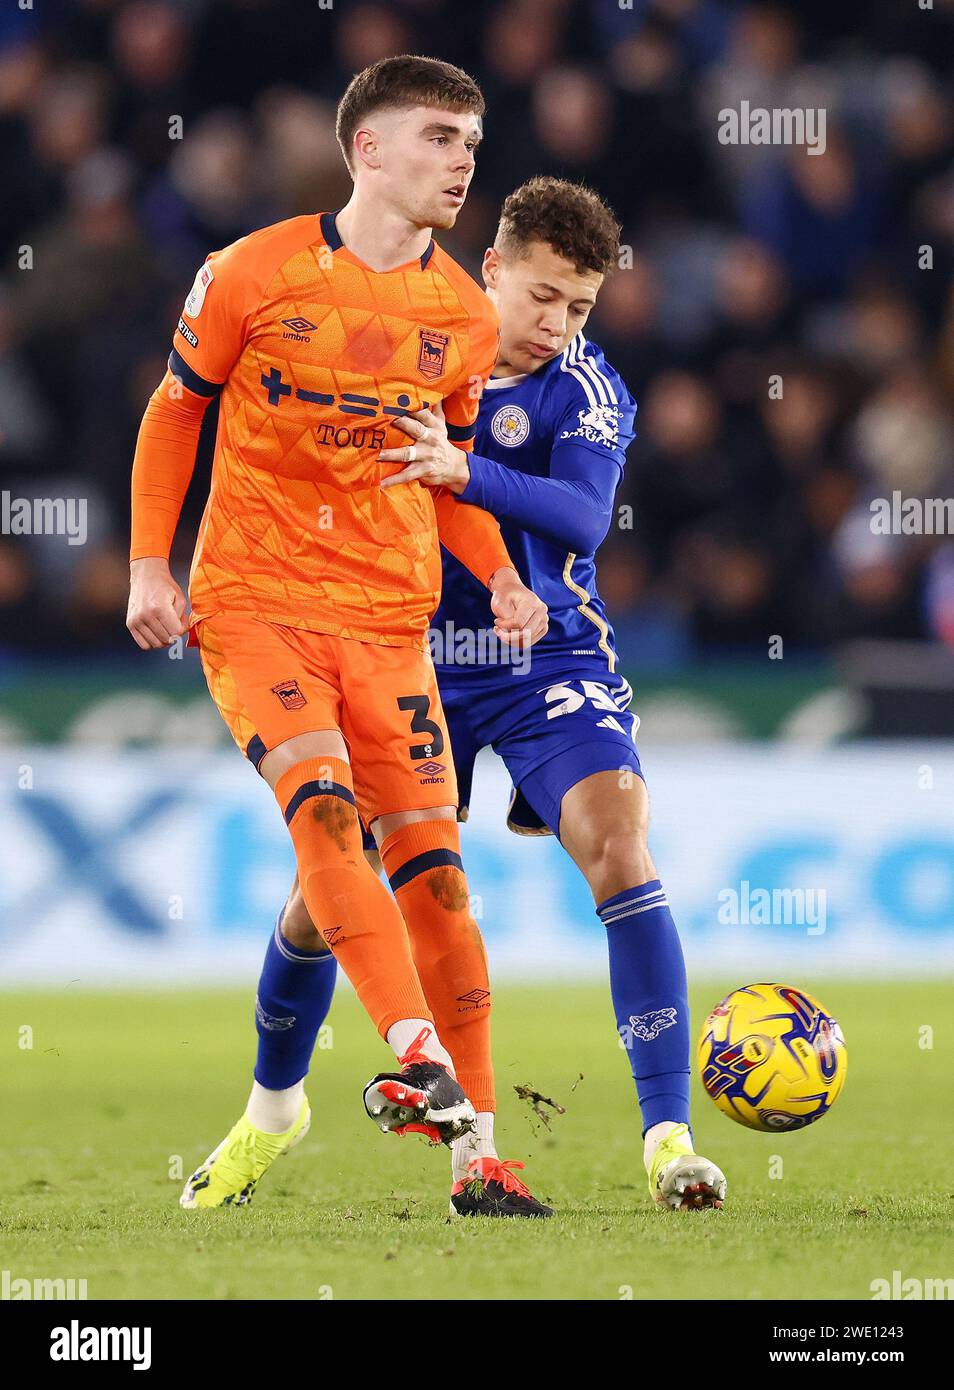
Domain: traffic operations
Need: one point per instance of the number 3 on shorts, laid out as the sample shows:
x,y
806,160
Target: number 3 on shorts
x,y
420,724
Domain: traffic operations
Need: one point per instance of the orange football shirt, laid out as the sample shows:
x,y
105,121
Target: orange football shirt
x,y
313,355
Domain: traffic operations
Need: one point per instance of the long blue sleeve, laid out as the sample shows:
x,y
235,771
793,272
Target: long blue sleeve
x,y
572,509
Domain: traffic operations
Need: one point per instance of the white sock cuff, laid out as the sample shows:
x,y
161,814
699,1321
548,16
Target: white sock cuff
x,y
408,1032
275,1111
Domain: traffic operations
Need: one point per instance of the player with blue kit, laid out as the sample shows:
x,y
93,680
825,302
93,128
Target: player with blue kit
x,y
554,424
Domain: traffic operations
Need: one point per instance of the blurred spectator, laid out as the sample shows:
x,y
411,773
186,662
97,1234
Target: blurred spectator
x,y
817,215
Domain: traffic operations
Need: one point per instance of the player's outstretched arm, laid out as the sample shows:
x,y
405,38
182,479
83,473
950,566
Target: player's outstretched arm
x,y
162,470
572,508
200,362
472,536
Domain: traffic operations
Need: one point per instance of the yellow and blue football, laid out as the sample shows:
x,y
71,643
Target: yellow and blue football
x,y
772,1058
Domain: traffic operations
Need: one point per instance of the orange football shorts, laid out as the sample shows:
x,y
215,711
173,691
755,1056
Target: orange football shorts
x,y
271,682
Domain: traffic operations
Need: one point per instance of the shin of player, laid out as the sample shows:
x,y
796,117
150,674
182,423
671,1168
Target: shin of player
x,y
422,860
603,825
350,907
294,995
355,916
421,856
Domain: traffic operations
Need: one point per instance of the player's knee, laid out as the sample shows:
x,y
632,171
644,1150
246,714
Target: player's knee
x,y
618,861
324,802
337,817
448,887
279,761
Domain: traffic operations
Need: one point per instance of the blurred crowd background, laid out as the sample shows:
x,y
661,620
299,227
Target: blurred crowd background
x,y
750,514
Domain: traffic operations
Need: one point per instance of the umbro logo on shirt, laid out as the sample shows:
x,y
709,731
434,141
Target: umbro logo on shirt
x,y
300,329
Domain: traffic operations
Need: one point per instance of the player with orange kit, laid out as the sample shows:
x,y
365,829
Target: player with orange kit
x,y
312,591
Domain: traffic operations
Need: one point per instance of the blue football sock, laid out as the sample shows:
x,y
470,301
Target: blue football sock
x,y
294,996
648,985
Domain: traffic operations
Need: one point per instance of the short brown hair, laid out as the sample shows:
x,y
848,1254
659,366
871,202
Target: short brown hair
x,y
569,217
406,80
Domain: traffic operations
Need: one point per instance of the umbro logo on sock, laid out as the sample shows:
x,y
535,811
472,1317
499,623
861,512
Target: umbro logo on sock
x,y
476,998
332,935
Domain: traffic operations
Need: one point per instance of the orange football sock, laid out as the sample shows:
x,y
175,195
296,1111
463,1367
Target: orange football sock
x,y
422,861
348,903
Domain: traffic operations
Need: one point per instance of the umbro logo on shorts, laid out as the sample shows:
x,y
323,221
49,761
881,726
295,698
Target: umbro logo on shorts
x,y
289,692
430,773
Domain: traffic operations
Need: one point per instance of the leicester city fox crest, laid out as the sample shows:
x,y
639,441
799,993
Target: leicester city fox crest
x,y
647,1027
510,426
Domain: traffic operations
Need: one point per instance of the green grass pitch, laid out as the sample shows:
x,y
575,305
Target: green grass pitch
x,y
122,1093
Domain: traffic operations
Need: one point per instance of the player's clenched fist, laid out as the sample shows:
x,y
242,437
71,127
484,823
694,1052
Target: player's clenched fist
x,y
520,618
157,606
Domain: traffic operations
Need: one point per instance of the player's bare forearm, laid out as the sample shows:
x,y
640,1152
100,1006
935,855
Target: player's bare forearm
x,y
157,605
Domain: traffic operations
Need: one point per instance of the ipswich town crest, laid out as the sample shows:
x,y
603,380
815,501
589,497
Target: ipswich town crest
x,y
430,358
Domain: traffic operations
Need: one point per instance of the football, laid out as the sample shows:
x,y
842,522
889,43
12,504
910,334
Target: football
x,y
772,1057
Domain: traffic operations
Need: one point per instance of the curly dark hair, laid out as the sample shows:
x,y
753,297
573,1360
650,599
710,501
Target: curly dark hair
x,y
569,217
407,80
